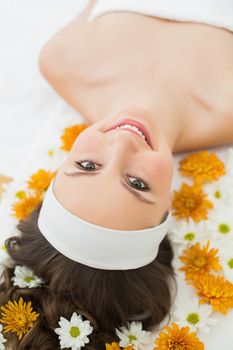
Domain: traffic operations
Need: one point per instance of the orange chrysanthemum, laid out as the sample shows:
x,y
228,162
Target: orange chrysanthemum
x,y
216,291
112,346
40,181
199,260
178,338
26,205
18,317
70,134
190,202
202,166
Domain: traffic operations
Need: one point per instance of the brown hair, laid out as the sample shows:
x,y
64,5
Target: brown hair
x,y
107,298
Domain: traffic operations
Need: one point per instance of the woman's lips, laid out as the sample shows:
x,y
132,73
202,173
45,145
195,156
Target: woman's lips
x,y
138,125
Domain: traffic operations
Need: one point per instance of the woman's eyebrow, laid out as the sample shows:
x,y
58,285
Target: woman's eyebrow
x,y
136,194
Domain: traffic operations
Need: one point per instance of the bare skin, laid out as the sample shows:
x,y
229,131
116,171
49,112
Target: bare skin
x,y
118,158
176,78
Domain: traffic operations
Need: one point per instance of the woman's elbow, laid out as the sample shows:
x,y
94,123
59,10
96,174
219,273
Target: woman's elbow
x,y
49,62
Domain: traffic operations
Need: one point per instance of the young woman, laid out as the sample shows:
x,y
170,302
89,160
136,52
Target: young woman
x,y
151,80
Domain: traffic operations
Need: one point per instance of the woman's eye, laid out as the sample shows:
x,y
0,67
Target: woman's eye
x,y
87,165
138,183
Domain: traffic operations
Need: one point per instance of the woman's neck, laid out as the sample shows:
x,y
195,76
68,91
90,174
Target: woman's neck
x,y
159,93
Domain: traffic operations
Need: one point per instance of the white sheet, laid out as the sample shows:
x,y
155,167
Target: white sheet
x,y
32,115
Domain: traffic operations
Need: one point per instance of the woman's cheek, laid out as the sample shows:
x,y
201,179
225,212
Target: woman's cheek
x,y
167,173
87,141
163,171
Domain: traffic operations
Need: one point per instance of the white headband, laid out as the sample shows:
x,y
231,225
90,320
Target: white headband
x,y
97,246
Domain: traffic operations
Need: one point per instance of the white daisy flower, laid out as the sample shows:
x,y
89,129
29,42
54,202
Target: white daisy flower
x,y
73,334
24,277
2,339
226,260
220,192
54,157
133,335
220,225
188,233
188,312
176,263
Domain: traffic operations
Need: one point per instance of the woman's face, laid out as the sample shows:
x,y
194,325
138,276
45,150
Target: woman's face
x,y
114,178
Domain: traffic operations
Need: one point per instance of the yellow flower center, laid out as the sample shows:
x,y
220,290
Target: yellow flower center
x,y
20,195
132,337
193,318
224,228
200,261
178,347
230,263
174,345
190,203
50,152
3,248
189,236
28,279
74,332
217,194
21,320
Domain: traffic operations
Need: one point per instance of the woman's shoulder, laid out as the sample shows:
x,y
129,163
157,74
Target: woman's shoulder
x,y
210,120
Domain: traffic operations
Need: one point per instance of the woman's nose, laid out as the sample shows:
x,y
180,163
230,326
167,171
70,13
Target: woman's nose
x,y
124,141
122,146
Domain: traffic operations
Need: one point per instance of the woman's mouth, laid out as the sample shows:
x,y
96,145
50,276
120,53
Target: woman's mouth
x,y
135,127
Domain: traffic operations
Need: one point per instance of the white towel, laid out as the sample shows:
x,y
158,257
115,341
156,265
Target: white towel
x,y
218,13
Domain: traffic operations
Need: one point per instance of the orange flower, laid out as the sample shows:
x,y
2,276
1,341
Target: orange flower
x,y
26,205
202,166
18,317
214,290
190,202
178,338
70,134
199,260
40,181
113,346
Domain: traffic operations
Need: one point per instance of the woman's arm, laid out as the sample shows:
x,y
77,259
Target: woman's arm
x,y
63,59
55,56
